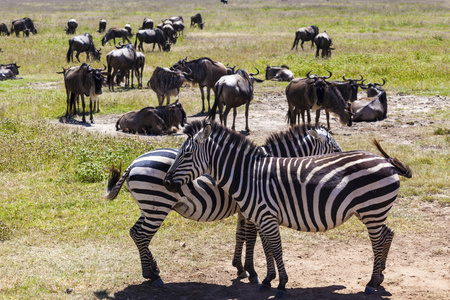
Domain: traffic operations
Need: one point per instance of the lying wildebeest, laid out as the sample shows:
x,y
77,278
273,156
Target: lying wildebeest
x,y
152,36
9,71
122,59
348,87
25,25
314,92
167,82
101,26
147,24
150,120
305,34
72,26
205,72
4,29
233,91
83,43
323,42
82,81
373,107
279,73
197,19
114,33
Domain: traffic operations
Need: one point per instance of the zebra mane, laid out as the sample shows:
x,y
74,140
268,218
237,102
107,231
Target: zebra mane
x,y
235,138
294,132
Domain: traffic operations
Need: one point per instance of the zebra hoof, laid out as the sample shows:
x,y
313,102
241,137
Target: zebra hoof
x,y
369,290
243,275
255,280
158,282
264,287
280,294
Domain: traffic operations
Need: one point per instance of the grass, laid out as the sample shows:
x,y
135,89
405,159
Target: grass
x,y
53,221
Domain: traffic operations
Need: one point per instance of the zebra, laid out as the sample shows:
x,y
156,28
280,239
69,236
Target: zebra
x,y
314,193
202,200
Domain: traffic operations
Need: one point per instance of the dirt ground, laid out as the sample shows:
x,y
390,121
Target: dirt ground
x,y
419,263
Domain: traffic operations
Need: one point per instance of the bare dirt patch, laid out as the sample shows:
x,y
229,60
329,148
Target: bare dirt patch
x,y
418,265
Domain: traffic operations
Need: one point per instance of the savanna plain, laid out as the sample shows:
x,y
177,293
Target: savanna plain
x,y
59,239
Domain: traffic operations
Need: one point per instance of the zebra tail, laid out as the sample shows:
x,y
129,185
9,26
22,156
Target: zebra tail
x,y
115,182
401,168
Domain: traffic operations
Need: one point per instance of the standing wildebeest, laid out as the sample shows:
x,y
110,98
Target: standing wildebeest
x,y
25,25
83,43
152,36
147,24
305,34
323,41
4,29
151,120
167,82
9,71
313,92
114,33
121,59
279,73
71,26
197,19
101,26
205,72
373,107
84,81
170,33
128,28
137,70
233,91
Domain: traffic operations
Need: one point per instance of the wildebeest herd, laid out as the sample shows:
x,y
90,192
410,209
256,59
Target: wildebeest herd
x,y
233,88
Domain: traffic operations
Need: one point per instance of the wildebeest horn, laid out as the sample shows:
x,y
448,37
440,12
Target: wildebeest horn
x,y
186,73
307,74
343,77
384,81
251,74
362,85
362,78
328,76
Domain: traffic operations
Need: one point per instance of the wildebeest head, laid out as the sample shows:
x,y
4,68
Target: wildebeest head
x,y
98,78
372,88
13,67
354,85
320,84
177,114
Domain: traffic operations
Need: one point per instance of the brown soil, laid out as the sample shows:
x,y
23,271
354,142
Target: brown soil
x,y
418,265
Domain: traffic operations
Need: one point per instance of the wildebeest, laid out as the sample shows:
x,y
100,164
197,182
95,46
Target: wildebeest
x,y
279,73
167,82
323,42
233,91
314,92
9,71
83,43
4,29
129,29
305,34
348,87
178,26
147,24
151,120
25,25
152,36
137,70
205,72
72,26
373,107
101,26
82,81
121,59
170,33
114,33
224,1
197,19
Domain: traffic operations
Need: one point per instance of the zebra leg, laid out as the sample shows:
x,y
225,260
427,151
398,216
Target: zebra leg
x,y
381,238
142,238
250,240
271,272
240,239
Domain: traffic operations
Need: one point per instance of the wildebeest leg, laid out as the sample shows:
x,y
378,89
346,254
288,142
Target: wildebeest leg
x,y
328,118
234,117
246,116
90,109
203,99
208,93
83,104
302,44
225,115
77,56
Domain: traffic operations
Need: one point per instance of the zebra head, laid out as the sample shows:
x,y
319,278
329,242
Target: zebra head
x,y
191,161
325,139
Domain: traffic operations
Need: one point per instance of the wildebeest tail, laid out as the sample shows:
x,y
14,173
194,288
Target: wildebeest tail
x,y
401,168
217,93
295,41
70,51
115,182
135,41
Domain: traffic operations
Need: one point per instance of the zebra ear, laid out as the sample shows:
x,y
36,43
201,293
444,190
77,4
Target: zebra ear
x,y
317,135
203,134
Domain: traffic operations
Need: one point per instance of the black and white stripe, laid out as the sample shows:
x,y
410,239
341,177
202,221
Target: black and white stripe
x,y
313,193
202,199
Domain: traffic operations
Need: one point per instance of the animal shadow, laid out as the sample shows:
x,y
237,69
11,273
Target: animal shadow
x,y
73,121
239,290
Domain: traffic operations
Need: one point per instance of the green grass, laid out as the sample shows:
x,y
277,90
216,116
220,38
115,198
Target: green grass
x,y
53,221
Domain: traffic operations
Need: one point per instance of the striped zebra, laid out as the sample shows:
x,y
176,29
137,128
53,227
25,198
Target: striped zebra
x,y
202,199
314,193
